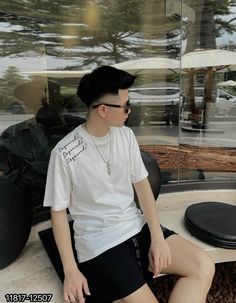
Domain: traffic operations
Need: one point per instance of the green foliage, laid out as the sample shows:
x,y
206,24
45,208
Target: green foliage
x,y
101,31
9,81
44,100
210,23
102,28
223,8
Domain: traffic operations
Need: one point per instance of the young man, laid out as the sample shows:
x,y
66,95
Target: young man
x,y
91,172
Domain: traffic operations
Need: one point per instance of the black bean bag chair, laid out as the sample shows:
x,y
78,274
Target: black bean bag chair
x,y
154,174
213,223
15,222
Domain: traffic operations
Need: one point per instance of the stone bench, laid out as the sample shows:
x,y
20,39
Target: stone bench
x,y
32,271
172,206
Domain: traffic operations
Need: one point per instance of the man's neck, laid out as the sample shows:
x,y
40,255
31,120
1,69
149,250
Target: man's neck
x,y
96,129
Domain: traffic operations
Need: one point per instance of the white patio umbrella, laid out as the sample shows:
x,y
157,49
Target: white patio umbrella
x,y
138,66
58,73
227,83
208,61
217,59
149,65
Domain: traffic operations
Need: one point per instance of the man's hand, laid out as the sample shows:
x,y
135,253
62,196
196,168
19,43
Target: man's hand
x,y
159,256
75,285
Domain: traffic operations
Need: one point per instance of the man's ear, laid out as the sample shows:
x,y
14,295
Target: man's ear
x,y
102,111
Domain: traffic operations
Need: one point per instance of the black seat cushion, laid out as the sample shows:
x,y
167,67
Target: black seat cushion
x,y
213,223
15,221
49,244
154,174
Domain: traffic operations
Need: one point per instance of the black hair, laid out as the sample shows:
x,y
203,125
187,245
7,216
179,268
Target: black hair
x,y
103,80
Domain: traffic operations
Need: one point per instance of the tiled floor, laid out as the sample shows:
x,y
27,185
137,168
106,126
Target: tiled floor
x,y
32,271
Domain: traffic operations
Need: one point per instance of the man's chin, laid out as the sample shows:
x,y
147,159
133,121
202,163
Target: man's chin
x,y
126,121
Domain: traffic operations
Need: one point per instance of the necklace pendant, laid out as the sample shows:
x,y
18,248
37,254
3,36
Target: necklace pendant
x,y
108,168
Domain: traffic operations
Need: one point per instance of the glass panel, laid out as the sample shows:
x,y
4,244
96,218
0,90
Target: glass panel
x,y
186,119
207,120
156,94
46,47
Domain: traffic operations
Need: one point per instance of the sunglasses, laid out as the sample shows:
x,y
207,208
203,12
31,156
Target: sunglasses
x,y
126,107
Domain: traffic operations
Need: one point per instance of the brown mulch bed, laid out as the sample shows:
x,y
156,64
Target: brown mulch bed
x,y
193,157
223,289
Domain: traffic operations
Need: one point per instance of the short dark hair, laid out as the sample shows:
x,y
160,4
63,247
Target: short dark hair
x,y
103,80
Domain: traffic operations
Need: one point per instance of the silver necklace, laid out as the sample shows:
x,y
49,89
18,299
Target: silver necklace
x,y
108,163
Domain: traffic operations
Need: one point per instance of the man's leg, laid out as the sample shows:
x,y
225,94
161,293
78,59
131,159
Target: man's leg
x,y
195,268
196,271
141,295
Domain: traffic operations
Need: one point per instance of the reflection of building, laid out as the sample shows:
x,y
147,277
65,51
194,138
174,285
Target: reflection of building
x,y
179,9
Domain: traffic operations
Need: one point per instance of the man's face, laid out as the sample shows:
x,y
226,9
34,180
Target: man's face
x,y
118,115
116,107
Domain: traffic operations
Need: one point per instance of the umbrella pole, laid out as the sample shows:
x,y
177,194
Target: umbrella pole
x,y
191,96
191,92
207,95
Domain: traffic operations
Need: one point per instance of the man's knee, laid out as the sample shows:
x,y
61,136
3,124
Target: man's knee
x,y
204,267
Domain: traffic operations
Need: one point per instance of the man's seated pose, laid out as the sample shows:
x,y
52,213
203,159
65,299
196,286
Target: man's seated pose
x,y
119,248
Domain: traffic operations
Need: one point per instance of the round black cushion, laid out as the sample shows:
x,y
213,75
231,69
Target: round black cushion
x,y
15,222
212,222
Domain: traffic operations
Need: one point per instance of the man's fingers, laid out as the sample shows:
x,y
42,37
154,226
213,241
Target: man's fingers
x,y
66,298
80,297
160,264
169,261
151,264
72,298
86,288
164,263
157,264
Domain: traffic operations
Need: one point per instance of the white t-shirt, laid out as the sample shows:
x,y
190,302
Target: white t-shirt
x,y
101,205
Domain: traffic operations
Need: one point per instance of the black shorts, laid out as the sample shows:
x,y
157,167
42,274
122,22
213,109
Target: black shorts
x,y
121,270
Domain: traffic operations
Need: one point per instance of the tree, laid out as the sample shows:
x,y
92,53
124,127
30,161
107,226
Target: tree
x,y
106,31
9,81
209,23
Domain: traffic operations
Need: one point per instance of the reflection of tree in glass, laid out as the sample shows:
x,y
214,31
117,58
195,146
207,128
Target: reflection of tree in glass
x,y
209,23
9,81
100,32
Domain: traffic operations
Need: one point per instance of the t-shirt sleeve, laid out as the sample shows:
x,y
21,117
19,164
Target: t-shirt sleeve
x,y
138,170
58,184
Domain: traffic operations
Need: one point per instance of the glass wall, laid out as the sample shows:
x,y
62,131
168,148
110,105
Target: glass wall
x,y
207,137
183,109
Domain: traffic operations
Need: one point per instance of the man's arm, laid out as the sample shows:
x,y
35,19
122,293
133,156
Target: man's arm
x,y
74,283
159,254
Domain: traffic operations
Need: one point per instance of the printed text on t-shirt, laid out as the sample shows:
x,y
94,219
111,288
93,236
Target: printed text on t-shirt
x,y
73,148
